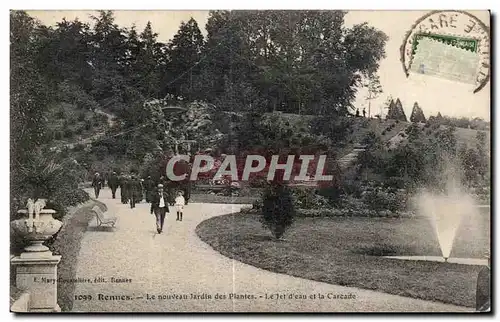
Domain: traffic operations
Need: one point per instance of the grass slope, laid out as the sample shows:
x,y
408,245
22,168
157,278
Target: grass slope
x,y
70,124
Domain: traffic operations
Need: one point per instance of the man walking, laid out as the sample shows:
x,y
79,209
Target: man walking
x,y
159,206
134,189
124,193
113,183
149,186
97,184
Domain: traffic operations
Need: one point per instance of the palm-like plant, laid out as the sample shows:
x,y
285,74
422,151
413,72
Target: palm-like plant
x,y
39,176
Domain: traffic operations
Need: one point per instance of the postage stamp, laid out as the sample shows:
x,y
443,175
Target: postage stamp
x,y
451,44
224,161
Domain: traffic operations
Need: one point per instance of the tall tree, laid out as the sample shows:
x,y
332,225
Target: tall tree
x,y
390,108
109,62
29,89
374,88
396,111
185,54
152,62
303,61
417,115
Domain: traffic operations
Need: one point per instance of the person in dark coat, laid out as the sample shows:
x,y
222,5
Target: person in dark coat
x,y
124,194
159,206
113,183
186,190
134,190
97,183
483,299
139,190
149,186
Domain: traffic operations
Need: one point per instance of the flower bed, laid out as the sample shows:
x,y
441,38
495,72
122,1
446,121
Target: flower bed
x,y
346,212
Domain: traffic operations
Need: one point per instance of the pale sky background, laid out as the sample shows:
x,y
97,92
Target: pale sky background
x,y
432,94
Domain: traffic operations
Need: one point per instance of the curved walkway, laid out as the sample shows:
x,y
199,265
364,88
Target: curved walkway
x,y
178,263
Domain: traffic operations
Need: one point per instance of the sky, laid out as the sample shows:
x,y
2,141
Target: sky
x,y
432,94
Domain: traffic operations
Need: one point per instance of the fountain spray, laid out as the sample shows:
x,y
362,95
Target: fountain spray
x,y
445,210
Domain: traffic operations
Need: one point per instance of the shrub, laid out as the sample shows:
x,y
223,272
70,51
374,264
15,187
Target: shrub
x,y
380,200
332,193
396,182
257,204
81,116
257,181
369,139
278,210
306,198
88,125
60,114
102,118
58,135
79,147
71,121
346,212
68,133
353,187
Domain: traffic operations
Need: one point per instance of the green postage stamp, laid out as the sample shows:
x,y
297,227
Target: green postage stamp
x,y
453,45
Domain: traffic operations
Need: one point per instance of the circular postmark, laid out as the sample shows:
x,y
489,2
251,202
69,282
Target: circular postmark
x,y
450,44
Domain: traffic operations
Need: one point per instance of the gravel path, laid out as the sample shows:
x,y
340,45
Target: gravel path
x,y
178,264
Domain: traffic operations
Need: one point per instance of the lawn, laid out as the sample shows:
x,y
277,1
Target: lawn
x,y
67,244
345,251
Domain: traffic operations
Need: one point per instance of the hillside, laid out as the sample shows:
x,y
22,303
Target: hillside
x,y
70,125
73,126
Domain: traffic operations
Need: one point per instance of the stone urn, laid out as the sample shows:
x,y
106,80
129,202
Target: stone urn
x,y
36,265
36,226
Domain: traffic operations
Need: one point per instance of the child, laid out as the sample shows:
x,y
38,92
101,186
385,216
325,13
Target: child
x,y
179,205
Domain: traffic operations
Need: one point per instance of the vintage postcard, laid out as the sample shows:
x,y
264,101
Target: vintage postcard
x,y
250,161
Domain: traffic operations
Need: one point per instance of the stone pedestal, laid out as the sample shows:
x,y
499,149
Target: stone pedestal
x,y
37,275
36,267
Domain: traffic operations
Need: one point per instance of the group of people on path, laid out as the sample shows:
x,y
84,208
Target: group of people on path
x,y
134,190
160,193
